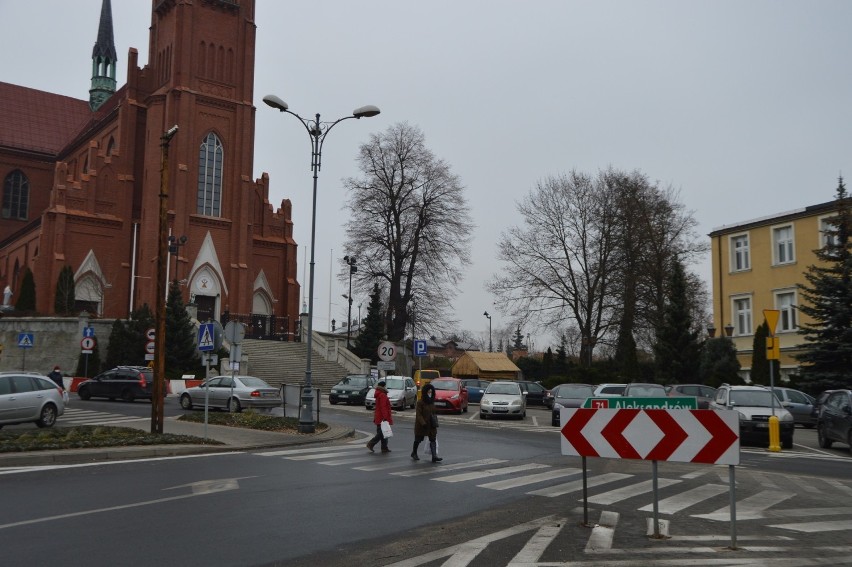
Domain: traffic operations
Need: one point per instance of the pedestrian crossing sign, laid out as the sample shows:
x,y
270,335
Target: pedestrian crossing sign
x,y
25,340
205,337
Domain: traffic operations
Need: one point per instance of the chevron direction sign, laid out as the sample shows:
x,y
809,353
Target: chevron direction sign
x,y
679,435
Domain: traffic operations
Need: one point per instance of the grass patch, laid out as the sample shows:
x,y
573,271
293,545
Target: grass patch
x,y
87,437
249,420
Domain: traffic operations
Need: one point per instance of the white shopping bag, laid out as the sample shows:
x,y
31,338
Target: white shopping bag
x,y
386,429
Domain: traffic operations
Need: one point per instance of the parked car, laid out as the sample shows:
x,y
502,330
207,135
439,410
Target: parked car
x,y
247,392
534,391
703,394
754,404
503,398
569,396
643,390
402,393
450,395
835,419
125,382
475,389
351,390
27,397
799,404
820,399
606,390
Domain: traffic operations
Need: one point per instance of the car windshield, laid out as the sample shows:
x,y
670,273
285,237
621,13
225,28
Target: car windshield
x,y
575,392
645,391
753,398
394,383
511,389
252,382
445,385
357,381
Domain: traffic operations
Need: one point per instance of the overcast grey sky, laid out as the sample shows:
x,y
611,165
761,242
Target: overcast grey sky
x,y
744,106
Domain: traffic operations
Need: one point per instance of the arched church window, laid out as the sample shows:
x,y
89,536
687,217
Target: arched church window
x,y
110,146
210,176
16,196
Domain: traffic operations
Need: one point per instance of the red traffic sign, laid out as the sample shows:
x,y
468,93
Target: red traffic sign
x,y
88,343
684,436
151,334
150,347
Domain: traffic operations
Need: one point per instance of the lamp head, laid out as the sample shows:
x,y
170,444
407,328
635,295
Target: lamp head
x,y
275,102
170,133
487,315
365,111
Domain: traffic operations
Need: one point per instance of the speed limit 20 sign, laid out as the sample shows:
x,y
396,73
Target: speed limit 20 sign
x,y
387,351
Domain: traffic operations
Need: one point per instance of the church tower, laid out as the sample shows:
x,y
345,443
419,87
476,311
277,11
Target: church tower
x,y
103,60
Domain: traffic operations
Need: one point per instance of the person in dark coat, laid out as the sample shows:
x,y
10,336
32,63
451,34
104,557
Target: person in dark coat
x,y
56,376
381,413
425,425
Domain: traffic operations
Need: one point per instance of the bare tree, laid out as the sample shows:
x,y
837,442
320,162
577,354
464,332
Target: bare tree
x,y
409,227
559,264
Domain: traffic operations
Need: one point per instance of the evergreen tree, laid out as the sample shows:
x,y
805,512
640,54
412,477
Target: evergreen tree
x,y
560,365
120,350
719,364
676,349
63,304
27,297
372,332
181,352
547,365
625,354
89,365
519,340
827,360
759,373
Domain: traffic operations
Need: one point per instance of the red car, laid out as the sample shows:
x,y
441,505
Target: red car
x,y
450,395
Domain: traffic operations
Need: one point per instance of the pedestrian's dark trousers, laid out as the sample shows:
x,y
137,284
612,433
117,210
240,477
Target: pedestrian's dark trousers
x,y
379,437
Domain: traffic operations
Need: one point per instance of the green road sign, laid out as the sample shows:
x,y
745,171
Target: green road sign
x,y
618,402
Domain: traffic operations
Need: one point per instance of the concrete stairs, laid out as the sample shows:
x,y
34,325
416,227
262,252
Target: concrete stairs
x,y
284,363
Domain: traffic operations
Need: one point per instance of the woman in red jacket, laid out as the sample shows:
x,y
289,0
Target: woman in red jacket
x,y
381,413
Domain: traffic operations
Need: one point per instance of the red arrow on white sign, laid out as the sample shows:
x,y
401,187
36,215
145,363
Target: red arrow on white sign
x,y
686,436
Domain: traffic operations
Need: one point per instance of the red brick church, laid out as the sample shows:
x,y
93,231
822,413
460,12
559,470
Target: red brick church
x,y
81,178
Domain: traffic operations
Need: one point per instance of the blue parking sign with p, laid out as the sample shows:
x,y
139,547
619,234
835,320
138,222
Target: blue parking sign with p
x,y
206,340
420,348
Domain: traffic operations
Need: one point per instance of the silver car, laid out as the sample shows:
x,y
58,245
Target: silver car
x,y
402,393
503,399
247,392
29,397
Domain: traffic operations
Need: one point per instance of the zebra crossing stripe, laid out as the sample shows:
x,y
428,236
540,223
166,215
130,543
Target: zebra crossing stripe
x,y
810,527
462,477
452,467
536,545
286,452
529,479
347,461
684,500
631,491
751,508
577,485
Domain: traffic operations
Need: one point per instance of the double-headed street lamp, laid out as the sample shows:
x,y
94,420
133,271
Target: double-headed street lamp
x,y
350,261
317,131
490,344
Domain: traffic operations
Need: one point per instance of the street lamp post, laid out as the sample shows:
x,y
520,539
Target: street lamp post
x,y
350,261
317,131
490,344
157,396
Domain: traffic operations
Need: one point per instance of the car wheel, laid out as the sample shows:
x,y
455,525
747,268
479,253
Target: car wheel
x,y
334,403
234,405
824,441
47,417
787,443
808,425
481,415
127,395
84,394
465,409
186,402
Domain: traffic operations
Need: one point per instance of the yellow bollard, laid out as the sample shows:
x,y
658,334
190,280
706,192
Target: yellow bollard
x,y
774,434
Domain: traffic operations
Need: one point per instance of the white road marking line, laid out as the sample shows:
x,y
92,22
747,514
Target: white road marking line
x,y
316,456
529,479
603,533
577,485
349,461
407,462
462,477
537,544
810,527
686,499
751,508
839,486
631,491
764,480
453,467
305,451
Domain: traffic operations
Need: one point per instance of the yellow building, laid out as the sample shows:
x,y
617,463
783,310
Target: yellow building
x,y
758,265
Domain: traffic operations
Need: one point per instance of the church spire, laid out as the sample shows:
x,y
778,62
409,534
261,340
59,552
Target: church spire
x,y
103,60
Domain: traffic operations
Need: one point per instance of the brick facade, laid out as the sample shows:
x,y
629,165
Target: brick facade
x,y
94,179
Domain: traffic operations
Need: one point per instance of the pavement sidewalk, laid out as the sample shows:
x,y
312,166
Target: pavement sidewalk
x,y
232,439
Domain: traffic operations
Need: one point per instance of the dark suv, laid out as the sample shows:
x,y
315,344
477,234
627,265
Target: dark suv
x,y
125,382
